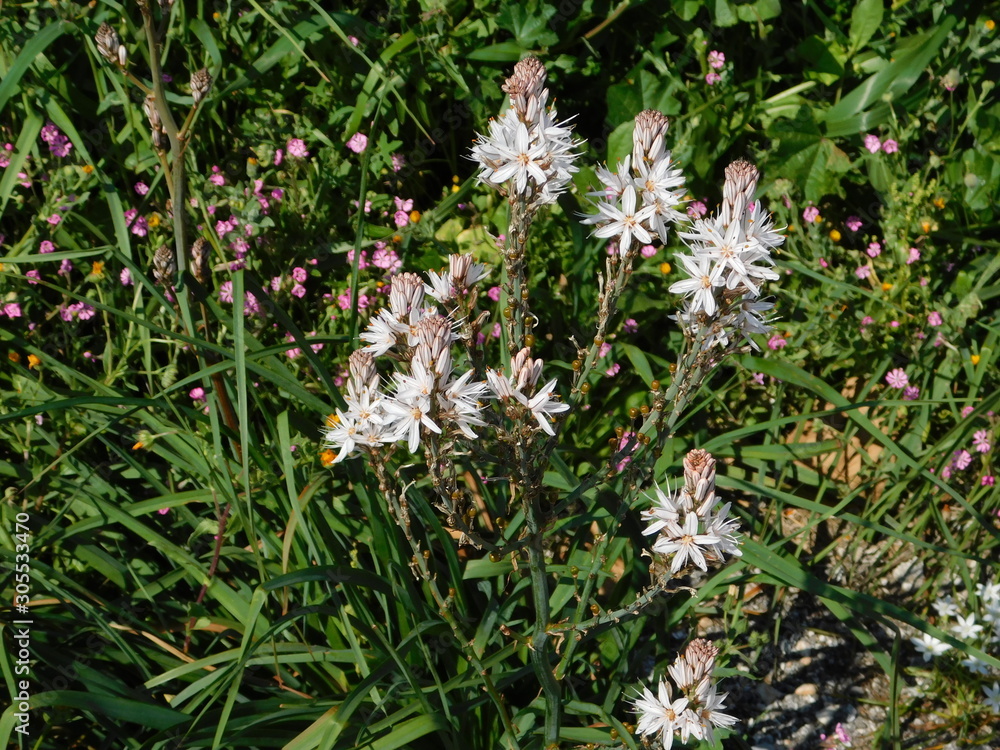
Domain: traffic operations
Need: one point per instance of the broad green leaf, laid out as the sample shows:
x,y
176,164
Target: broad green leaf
x,y
865,20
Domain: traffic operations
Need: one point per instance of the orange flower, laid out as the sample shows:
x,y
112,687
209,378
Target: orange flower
x,y
835,235
14,357
974,359
664,268
87,169
33,361
327,457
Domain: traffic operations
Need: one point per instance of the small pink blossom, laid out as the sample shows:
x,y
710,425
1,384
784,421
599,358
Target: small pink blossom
x,y
934,318
697,209
387,259
630,326
358,143
981,441
810,214
125,277
853,223
226,292
913,257
893,324
712,78
54,219
967,410
299,274
911,393
962,459
890,146
603,351
613,370
863,272
823,263
12,310
46,246
647,251
141,188
217,179
897,378
362,261
398,162
32,276
493,293
197,394
279,155
496,331
401,219
716,59
65,268
776,342
297,147
874,249
872,143
867,320
277,194
988,481
299,291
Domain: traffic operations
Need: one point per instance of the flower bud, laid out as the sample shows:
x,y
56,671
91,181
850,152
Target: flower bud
x,y
164,265
107,42
201,83
122,55
199,260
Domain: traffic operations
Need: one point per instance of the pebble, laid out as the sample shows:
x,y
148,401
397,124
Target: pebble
x,y
806,689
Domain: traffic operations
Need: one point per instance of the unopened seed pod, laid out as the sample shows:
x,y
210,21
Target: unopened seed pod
x,y
164,265
107,42
201,83
199,260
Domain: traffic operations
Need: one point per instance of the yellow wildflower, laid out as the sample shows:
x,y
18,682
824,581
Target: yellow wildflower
x,y
33,361
664,268
327,458
974,359
835,235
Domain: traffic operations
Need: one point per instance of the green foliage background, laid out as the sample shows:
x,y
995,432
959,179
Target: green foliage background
x,y
313,632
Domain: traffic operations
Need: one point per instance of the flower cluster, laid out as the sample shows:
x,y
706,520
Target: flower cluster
x,y
983,632
640,198
730,259
431,396
691,532
698,710
527,149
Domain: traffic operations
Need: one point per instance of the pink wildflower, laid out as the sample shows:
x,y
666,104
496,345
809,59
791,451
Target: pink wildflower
x,y
697,209
279,155
299,274
874,249
197,394
613,370
776,342
853,223
967,410
401,218
358,143
962,459
981,441
299,291
890,146
387,259
493,293
988,481
863,272
647,251
716,59
867,320
872,143
712,78
141,188
226,292
54,219
398,162
810,214
32,276
297,147
913,257
630,326
12,310
911,393
897,378
934,318
46,246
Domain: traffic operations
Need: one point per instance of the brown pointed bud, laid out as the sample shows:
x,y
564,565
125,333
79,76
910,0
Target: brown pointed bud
x,y
164,265
107,42
160,140
149,107
201,83
199,260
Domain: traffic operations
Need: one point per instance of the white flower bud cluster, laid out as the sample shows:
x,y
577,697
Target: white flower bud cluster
x,y
698,710
526,148
690,530
730,259
640,197
427,394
